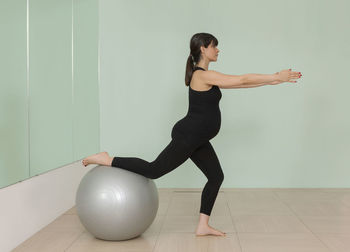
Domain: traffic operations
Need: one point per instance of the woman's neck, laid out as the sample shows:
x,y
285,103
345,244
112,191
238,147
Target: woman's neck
x,y
202,66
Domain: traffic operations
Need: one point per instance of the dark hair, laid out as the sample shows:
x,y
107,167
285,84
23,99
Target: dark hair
x,y
197,40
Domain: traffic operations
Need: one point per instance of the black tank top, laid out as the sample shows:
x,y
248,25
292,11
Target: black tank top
x,y
203,118
208,99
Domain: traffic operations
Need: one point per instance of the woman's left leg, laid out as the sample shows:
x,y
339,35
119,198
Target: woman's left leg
x,y
173,155
205,158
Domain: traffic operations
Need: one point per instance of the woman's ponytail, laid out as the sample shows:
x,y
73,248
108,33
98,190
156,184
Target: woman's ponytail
x,y
189,69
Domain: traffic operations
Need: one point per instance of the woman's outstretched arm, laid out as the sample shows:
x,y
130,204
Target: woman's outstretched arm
x,y
260,84
252,85
221,80
254,79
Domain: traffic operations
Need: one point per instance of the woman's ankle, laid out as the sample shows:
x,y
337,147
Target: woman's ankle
x,y
203,219
110,160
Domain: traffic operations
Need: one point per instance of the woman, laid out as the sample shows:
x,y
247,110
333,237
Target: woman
x,y
191,135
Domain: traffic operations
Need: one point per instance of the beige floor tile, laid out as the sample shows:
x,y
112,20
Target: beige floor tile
x,y
229,243
156,225
318,207
306,195
346,200
184,242
336,242
88,243
281,243
347,190
251,195
184,223
269,224
327,224
174,224
186,197
343,196
184,208
163,206
259,207
65,222
73,210
44,241
283,220
165,196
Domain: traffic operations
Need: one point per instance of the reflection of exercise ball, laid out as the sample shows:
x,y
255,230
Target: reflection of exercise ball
x,y
116,204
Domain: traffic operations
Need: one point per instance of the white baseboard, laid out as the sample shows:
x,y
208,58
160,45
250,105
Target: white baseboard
x,y
28,206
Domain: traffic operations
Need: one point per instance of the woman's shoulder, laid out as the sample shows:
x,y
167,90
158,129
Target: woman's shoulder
x,y
197,83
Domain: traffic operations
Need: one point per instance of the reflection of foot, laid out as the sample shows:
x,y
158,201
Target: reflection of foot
x,y
203,230
101,158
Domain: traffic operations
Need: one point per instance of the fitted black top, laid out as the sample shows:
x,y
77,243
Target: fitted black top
x,y
203,118
200,101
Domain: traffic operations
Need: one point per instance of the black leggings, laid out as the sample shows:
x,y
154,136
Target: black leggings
x,y
174,154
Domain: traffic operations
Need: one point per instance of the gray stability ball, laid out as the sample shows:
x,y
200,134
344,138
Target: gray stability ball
x,y
116,204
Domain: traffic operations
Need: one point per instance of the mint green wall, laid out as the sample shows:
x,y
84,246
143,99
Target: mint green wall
x,y
49,85
86,105
289,135
14,154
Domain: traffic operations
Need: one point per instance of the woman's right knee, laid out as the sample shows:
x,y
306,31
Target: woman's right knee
x,y
218,179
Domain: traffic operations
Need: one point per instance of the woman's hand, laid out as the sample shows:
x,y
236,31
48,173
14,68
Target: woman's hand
x,y
286,76
275,82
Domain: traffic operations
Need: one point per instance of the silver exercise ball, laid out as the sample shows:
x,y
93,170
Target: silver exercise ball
x,y
116,204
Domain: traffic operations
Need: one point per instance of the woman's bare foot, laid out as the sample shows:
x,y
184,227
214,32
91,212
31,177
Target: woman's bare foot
x,y
204,229
101,158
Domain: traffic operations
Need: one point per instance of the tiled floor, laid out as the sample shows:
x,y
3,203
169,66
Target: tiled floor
x,y
271,220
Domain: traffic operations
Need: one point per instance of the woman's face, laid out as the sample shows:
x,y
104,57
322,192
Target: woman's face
x,y
211,52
